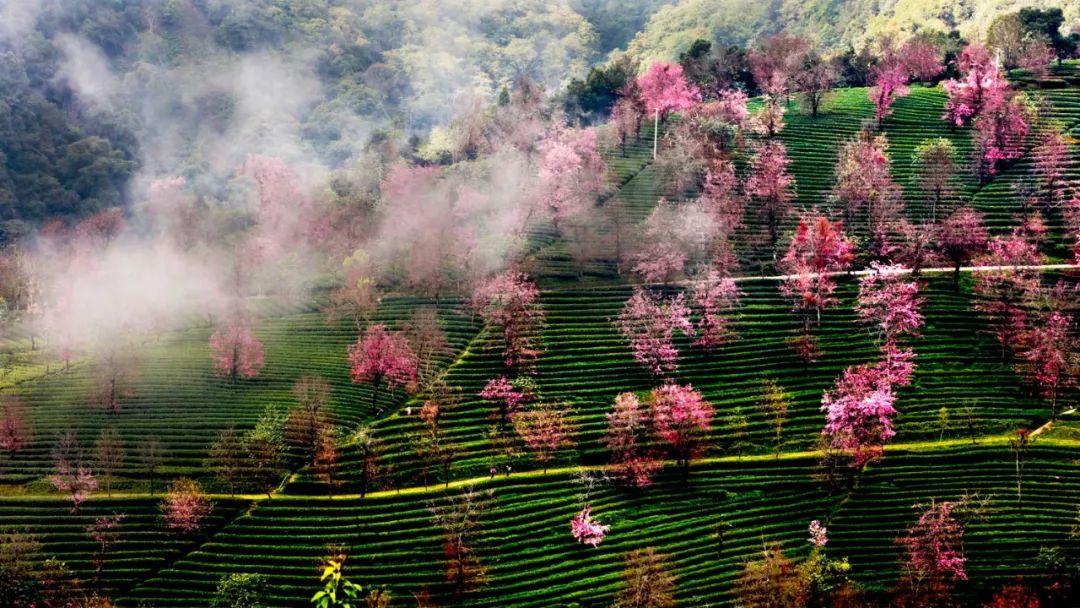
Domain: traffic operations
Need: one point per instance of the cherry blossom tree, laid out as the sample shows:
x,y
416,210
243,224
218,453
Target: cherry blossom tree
x,y
675,235
106,533
815,80
859,412
510,302
1051,160
724,203
934,162
627,438
649,322
682,419
509,395
818,534
777,62
890,80
768,121
934,548
961,236
889,303
1003,291
14,429
818,248
108,456
626,119
646,581
382,357
428,341
115,371
1001,135
771,186
981,88
1051,359
235,350
664,88
572,173
864,180
307,421
71,476
544,428
716,297
185,506
587,530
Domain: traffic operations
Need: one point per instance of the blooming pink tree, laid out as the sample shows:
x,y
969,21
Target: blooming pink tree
x,y
235,350
682,419
105,531
771,186
649,323
859,412
818,534
777,61
14,430
889,303
1051,360
1001,135
716,296
864,180
935,546
960,237
675,235
1003,290
1072,223
890,80
509,395
572,174
510,302
1051,159
75,480
665,89
981,88
818,249
283,215
185,506
723,201
544,428
587,530
382,357
627,439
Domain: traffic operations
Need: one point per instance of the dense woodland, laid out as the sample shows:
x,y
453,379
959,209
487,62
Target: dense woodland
x,y
631,304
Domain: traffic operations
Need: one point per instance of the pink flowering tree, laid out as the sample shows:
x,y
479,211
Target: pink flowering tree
x,y
1051,359
572,173
917,60
716,296
664,88
890,80
934,549
1001,292
1001,135
818,249
818,534
889,304
510,303
74,479
771,186
14,429
649,322
235,350
105,532
284,211
185,506
508,395
723,201
682,420
864,180
981,87
859,413
1072,223
1051,160
544,428
960,237
675,236
587,530
628,439
382,357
